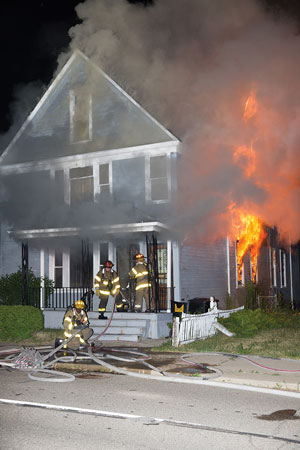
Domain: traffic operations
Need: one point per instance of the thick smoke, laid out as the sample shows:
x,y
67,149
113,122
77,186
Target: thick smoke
x,y
192,64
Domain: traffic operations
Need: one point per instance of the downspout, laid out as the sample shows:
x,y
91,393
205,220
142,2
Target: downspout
x,y
176,269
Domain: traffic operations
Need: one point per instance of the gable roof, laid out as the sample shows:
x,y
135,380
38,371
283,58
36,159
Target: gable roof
x,y
118,121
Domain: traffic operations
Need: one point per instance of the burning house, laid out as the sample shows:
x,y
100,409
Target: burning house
x,y
92,176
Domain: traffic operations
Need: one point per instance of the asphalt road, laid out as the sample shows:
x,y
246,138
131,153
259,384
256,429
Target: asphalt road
x,y
115,412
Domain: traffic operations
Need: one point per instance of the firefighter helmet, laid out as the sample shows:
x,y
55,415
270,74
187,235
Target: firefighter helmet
x,y
80,304
108,264
139,257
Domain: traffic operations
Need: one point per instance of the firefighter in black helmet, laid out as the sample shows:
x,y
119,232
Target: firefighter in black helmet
x,y
140,274
107,283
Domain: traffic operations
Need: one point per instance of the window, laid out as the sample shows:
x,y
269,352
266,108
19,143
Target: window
x,y
81,265
162,259
273,267
158,174
58,269
253,268
282,261
104,182
81,185
80,116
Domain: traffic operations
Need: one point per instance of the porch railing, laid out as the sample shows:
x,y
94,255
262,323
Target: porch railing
x,y
61,298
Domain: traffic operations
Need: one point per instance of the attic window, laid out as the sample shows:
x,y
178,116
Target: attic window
x,y
80,116
81,184
158,174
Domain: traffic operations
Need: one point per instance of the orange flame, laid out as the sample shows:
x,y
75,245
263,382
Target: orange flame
x,y
250,107
245,157
249,233
248,229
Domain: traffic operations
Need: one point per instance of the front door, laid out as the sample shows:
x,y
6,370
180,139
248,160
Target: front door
x,y
125,259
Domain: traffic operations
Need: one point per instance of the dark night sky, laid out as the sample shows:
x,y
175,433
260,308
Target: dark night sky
x,y
34,32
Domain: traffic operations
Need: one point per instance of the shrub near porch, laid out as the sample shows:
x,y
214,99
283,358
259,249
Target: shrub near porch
x,y
19,322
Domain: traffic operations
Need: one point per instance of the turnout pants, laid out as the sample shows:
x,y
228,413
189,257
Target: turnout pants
x,y
139,295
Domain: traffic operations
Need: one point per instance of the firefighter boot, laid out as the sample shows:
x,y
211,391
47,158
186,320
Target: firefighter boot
x,y
102,316
58,342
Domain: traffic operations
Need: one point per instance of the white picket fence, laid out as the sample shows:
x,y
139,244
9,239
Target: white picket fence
x,y
197,326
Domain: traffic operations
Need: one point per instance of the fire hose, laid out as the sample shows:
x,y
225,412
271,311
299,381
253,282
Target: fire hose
x,y
33,361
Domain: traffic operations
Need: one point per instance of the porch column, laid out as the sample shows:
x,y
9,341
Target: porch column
x,y
143,247
169,274
112,253
66,267
176,272
96,258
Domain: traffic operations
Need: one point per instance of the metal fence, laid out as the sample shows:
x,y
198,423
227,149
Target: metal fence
x,y
197,326
61,298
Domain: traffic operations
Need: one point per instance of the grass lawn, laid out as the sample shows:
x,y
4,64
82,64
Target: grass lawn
x,y
277,343
256,333
44,337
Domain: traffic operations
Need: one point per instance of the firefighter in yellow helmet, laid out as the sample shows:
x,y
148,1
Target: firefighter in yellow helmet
x,y
140,274
107,282
76,320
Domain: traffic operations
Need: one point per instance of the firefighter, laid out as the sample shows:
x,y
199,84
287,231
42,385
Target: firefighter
x,y
75,318
107,283
140,274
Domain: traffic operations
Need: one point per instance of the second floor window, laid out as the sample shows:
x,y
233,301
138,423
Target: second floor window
x,y
159,190
81,185
104,179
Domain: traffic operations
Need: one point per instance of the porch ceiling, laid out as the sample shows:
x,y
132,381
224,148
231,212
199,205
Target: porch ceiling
x,y
119,229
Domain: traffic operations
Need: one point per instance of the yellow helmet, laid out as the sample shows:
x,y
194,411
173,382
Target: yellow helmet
x,y
80,304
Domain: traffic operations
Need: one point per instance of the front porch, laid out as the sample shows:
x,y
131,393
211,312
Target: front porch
x,y
124,326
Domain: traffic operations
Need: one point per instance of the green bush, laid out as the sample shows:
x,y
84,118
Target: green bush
x,y
19,322
248,322
11,288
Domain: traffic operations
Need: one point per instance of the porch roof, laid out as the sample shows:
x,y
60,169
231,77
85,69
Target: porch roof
x,y
118,229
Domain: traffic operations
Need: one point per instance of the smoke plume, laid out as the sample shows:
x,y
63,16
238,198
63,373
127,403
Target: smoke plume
x,y
192,64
